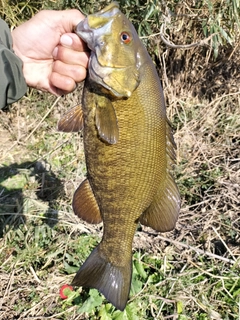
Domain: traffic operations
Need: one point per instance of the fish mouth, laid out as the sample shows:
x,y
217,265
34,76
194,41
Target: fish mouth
x,y
98,30
91,28
112,8
85,33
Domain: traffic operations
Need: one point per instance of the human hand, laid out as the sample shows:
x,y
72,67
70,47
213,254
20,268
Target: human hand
x,y
54,58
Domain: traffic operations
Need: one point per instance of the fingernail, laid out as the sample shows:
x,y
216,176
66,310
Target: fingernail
x,y
55,52
65,40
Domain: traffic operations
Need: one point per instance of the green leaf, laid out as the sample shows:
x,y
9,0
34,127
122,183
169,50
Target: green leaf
x,y
119,315
69,269
104,312
140,269
130,313
95,300
225,35
179,307
16,182
136,284
149,11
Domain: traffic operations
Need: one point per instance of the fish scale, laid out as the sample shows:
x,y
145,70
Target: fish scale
x,y
129,150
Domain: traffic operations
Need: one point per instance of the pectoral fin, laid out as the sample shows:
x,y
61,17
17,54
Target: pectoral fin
x,y
163,212
106,121
72,120
85,205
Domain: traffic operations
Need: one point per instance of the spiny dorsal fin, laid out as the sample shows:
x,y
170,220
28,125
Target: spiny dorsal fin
x,y
72,120
106,121
162,214
85,205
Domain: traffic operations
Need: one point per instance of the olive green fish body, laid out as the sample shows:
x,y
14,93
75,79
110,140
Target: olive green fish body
x,y
125,176
129,152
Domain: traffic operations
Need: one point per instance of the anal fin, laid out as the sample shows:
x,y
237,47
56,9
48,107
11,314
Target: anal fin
x,y
162,214
85,205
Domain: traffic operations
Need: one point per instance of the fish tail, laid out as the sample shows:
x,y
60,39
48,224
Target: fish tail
x,y
113,281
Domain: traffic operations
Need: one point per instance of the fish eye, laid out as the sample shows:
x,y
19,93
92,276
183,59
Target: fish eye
x,y
125,37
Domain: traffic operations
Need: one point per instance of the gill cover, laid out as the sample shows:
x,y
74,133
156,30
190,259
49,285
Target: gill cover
x,y
115,60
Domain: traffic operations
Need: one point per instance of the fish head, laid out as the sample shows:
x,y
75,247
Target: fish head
x,y
115,50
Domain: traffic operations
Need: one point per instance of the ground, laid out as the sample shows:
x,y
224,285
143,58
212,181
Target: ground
x,y
191,272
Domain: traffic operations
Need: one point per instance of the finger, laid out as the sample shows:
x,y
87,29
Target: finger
x,y
62,83
76,72
72,41
70,56
69,20
63,21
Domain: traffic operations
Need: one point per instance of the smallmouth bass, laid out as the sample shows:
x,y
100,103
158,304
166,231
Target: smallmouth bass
x,y
129,151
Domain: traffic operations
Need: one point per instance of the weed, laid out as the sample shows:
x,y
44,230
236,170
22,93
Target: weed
x,y
192,273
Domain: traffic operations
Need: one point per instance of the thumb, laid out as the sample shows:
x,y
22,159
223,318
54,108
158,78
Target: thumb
x,y
72,41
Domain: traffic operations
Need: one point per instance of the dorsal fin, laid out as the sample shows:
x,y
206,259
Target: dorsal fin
x,y
72,120
85,205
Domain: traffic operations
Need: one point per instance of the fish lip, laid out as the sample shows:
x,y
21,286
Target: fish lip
x,y
92,36
110,10
90,33
82,26
85,33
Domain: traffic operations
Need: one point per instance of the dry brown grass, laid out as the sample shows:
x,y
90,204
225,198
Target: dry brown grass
x,y
193,271
205,241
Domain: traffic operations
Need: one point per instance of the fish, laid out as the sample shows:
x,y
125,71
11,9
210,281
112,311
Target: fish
x,y
129,151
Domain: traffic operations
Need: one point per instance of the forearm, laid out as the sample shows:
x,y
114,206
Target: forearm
x,y
12,83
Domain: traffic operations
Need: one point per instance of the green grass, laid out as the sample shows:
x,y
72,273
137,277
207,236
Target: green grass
x,y
43,244
189,273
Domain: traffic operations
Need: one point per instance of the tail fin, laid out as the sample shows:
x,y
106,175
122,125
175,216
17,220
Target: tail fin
x,y
111,280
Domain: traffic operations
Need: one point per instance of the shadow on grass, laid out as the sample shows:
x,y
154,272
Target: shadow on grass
x,y
17,181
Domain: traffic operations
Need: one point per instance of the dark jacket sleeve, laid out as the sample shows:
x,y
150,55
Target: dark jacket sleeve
x,y
12,83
